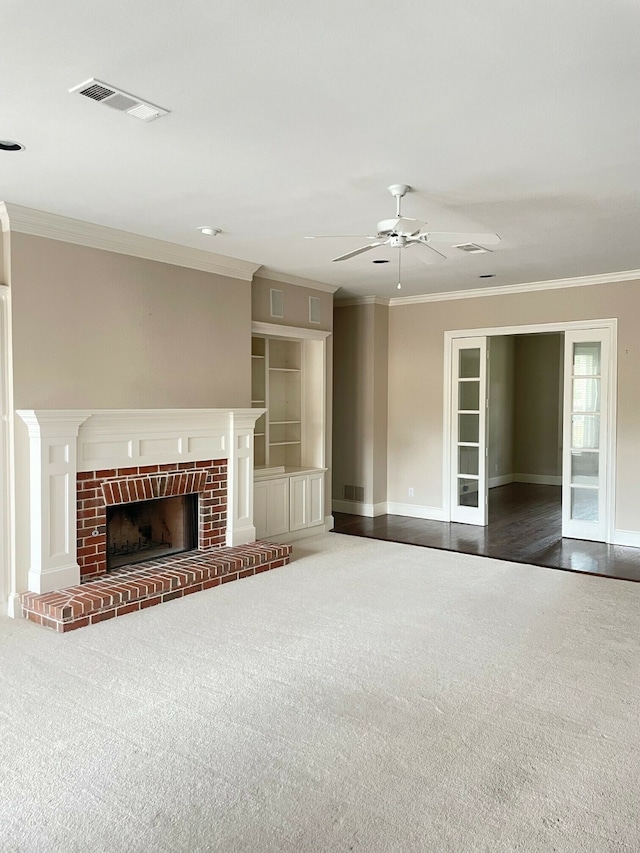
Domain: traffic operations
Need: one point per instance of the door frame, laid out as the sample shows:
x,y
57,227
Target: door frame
x,y
609,324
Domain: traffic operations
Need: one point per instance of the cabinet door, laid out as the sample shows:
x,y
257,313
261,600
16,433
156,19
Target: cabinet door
x,y
278,506
260,504
299,492
315,499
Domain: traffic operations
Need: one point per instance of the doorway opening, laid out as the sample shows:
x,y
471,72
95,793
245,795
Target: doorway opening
x,y
533,405
524,436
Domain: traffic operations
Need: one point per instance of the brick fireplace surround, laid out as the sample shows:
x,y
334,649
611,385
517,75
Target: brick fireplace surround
x,y
59,455
96,490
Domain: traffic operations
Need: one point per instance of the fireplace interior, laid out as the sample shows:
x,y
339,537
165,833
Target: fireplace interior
x,y
145,530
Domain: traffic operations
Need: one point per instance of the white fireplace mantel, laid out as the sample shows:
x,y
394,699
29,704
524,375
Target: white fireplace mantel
x,y
65,442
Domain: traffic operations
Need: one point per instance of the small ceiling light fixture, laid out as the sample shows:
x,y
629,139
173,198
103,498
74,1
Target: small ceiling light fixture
x,y
8,145
472,248
209,231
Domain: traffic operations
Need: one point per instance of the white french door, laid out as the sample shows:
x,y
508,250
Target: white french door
x,y
585,434
469,423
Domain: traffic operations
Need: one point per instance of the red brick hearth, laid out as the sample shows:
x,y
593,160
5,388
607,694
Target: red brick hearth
x,y
148,584
98,489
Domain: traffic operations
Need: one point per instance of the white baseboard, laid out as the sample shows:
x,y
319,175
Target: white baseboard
x,y
305,533
54,579
537,479
631,538
14,606
432,513
356,508
501,480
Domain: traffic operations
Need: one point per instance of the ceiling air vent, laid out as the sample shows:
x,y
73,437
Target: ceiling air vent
x,y
118,100
472,248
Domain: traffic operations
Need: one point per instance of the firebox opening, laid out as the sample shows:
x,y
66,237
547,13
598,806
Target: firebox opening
x,y
149,529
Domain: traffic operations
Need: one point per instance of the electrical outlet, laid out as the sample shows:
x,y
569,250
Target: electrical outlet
x,y
410,493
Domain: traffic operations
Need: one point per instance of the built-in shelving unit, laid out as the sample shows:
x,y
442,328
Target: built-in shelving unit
x,y
289,381
276,386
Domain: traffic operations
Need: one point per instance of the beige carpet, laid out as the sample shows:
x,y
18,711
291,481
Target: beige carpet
x,y
370,697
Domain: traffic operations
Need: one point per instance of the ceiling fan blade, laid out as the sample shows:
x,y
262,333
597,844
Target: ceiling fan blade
x,y
338,236
357,252
406,225
434,255
453,237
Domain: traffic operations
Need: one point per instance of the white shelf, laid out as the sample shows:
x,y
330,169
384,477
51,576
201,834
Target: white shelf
x,y
281,443
260,402
259,434
276,423
285,369
257,356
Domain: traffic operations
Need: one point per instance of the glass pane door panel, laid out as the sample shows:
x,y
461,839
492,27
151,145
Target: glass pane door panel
x,y
469,396
584,504
468,459
585,431
586,359
469,367
468,484
586,395
467,492
585,467
469,428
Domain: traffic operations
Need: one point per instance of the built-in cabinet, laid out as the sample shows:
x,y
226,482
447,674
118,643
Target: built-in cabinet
x,y
288,380
306,500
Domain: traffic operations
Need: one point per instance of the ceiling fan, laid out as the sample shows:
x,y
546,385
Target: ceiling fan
x,y
402,232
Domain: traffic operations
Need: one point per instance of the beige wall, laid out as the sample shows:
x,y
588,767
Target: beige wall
x,y
353,369
96,329
360,400
5,251
416,364
501,407
296,304
538,405
380,402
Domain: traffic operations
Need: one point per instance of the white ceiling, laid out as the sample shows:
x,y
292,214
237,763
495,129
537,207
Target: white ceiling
x,y
292,118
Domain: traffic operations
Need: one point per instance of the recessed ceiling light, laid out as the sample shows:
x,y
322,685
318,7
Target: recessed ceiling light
x,y
488,275
208,230
380,261
7,145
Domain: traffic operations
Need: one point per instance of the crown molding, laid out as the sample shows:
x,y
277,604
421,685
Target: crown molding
x,y
285,278
529,287
38,223
362,300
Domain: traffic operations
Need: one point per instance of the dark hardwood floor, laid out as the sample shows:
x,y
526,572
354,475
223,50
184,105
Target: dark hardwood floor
x,y
525,523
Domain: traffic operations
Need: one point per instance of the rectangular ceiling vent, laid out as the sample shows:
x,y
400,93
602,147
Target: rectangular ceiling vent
x,y
472,248
119,100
